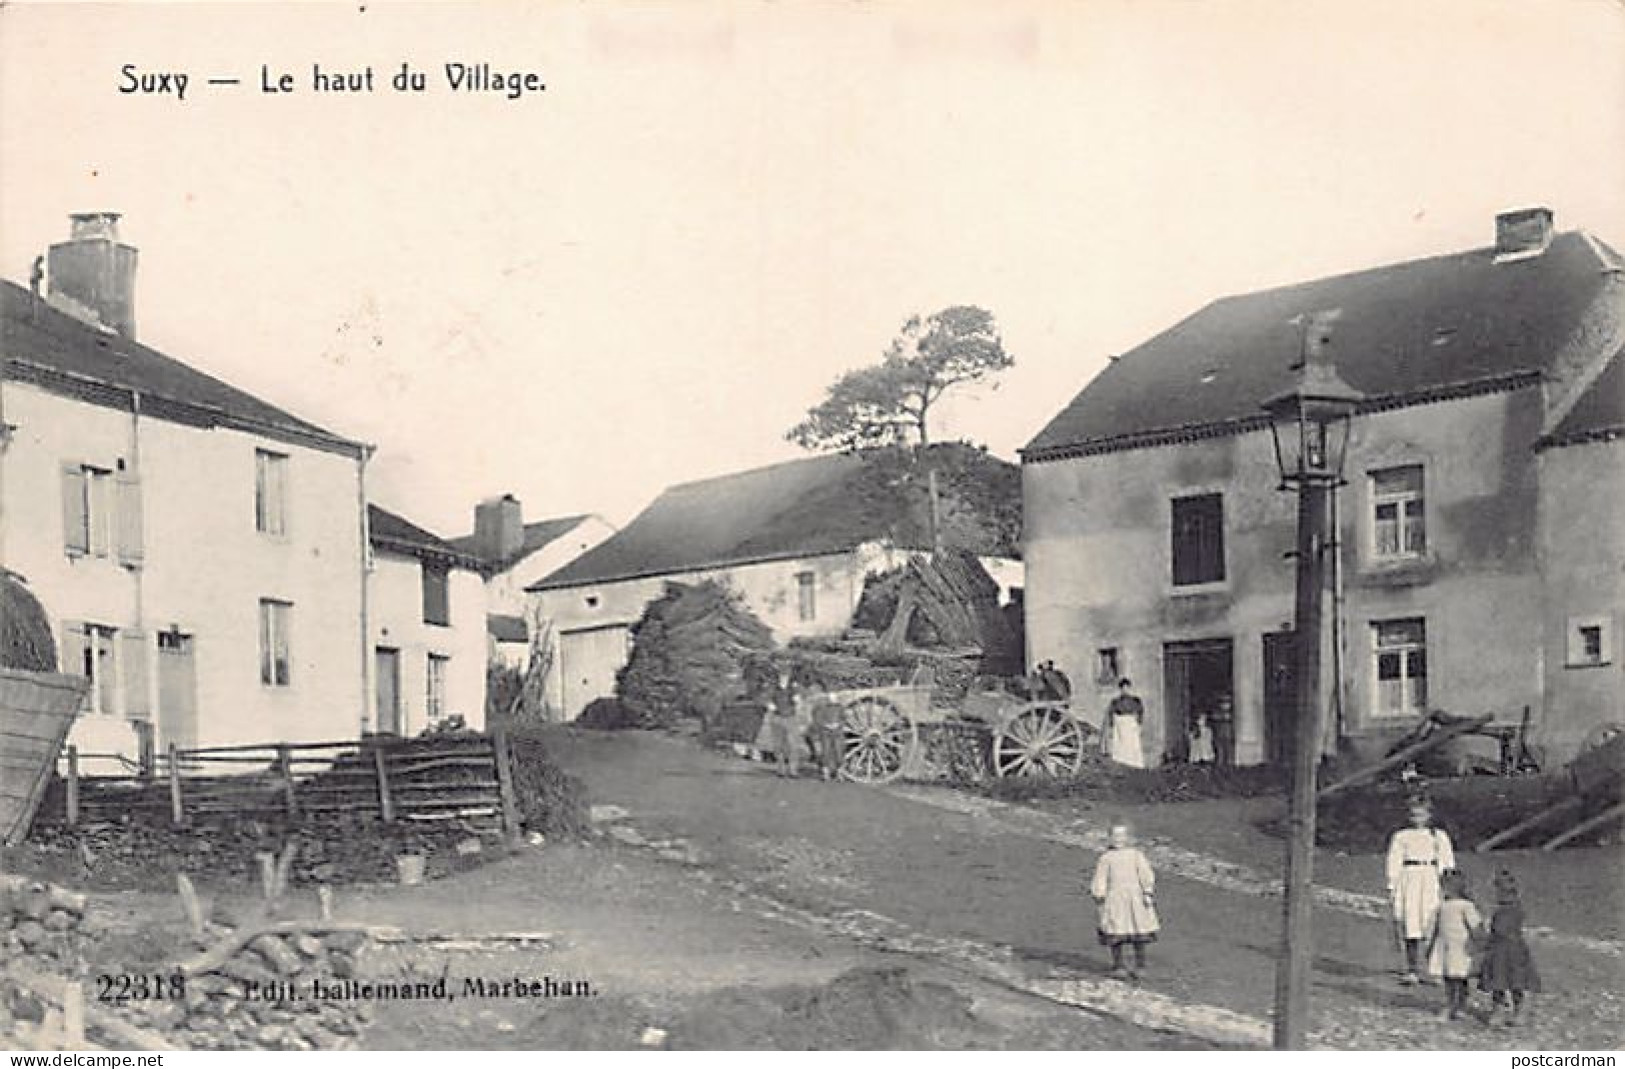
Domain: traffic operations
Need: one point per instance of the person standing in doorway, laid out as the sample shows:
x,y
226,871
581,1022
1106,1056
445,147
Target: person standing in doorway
x,y
1223,722
1124,718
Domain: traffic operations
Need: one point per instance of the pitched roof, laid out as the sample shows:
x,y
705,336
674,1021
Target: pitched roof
x,y
507,628
1407,331
391,531
1599,413
810,507
49,348
536,536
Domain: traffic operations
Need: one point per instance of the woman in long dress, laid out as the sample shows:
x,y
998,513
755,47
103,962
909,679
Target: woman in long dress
x,y
1124,887
1417,856
1121,731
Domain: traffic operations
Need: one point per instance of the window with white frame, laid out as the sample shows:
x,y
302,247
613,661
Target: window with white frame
x,y
270,492
1398,513
91,651
806,595
87,510
276,664
1400,667
1590,641
435,698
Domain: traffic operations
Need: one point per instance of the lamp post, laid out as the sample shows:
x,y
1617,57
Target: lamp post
x,y
1309,424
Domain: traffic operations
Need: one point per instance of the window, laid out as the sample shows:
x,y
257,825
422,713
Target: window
x,y
270,492
90,651
806,595
1401,663
87,510
275,663
1398,523
1590,641
435,699
1198,537
1108,667
436,595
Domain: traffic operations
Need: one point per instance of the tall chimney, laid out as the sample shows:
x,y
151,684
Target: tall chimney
x,y
1522,232
499,528
93,272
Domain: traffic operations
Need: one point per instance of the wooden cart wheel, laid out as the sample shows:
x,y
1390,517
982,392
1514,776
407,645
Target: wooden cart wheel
x,y
878,740
1040,740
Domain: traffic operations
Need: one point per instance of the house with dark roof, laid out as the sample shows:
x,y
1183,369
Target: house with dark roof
x,y
201,552
1480,558
428,636
795,540
513,554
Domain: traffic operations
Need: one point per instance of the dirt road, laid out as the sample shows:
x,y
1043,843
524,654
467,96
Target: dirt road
x,y
951,878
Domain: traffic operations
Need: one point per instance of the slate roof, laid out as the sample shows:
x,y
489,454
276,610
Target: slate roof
x,y
507,628
1599,414
536,536
51,349
390,531
801,508
1408,331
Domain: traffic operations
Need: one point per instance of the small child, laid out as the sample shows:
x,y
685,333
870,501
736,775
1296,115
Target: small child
x,y
1201,741
1509,969
828,737
1455,931
1125,887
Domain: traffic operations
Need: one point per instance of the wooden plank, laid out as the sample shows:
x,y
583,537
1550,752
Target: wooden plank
x,y
1443,735
177,810
73,786
510,804
385,802
1539,817
1613,812
33,695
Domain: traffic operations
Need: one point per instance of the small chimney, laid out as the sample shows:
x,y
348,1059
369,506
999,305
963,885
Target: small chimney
x,y
499,528
92,274
1522,232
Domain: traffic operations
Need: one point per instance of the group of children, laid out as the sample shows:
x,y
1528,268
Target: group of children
x,y
1442,931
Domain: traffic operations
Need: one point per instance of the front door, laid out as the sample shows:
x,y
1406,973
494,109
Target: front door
x,y
177,690
1280,696
1195,675
389,691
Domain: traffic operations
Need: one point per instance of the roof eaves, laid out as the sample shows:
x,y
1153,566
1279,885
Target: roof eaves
x,y
656,573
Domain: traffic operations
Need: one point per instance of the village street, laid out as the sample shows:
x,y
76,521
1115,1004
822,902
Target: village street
x,y
997,891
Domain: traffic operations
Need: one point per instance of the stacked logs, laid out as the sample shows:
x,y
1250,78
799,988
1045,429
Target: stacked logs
x,y
254,991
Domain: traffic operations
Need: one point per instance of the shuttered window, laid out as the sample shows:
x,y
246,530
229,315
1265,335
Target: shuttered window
x,y
134,657
1198,539
90,651
75,511
436,595
101,513
131,547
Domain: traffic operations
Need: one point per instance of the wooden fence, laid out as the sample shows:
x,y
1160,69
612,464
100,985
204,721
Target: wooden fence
x,y
453,777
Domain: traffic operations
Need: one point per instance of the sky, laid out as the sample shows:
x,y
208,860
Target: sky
x,y
647,272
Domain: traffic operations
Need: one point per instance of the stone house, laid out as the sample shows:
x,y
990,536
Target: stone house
x,y
1480,557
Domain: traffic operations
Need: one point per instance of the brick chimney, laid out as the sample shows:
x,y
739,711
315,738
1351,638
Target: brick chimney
x,y
1522,232
499,528
92,274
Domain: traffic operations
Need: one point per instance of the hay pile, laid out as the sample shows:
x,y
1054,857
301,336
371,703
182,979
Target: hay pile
x,y
25,632
688,654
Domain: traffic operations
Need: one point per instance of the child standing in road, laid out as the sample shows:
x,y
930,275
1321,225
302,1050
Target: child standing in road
x,y
1125,888
1509,969
1455,932
1417,857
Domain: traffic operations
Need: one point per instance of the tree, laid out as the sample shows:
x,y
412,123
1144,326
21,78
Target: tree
x,y
890,402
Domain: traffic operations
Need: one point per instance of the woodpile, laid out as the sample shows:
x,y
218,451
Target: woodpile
x,y
945,602
25,632
689,652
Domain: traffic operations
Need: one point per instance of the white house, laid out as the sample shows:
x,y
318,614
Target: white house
x,y
428,629
514,554
795,540
201,553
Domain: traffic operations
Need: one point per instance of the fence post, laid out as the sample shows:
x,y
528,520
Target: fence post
x,y
504,762
284,760
177,811
73,785
386,804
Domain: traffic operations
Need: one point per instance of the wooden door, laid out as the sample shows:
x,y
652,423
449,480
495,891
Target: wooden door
x,y
389,691
1280,696
588,661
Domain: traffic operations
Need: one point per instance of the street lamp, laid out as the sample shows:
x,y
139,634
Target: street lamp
x,y
1309,424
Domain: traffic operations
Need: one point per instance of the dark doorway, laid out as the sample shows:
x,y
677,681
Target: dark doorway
x,y
1195,676
1280,696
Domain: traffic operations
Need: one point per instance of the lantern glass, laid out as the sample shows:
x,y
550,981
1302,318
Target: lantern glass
x,y
1310,436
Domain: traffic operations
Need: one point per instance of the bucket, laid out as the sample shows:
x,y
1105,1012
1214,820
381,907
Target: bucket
x,y
409,868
